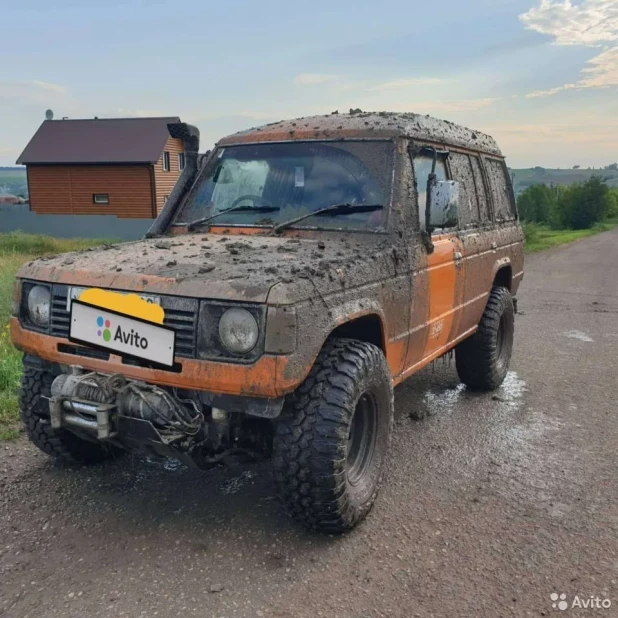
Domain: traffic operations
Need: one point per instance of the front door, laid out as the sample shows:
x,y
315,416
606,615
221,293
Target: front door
x,y
437,285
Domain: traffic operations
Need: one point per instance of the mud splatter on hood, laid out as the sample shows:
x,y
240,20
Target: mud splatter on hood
x,y
233,267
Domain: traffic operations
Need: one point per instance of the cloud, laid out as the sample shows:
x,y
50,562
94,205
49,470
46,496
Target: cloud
x,y
590,23
441,106
593,23
593,132
6,152
57,88
123,112
602,72
314,79
396,84
33,92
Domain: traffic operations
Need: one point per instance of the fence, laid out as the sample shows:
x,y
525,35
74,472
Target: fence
x,y
14,217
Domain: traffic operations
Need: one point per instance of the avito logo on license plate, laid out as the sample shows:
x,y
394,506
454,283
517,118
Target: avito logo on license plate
x,y
120,333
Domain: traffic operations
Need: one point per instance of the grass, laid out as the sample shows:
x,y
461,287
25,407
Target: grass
x,y
16,249
540,237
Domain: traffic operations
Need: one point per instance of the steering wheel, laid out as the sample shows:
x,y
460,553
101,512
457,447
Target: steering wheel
x,y
253,198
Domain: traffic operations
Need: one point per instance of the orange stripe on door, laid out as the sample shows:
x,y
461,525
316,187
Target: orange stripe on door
x,y
442,275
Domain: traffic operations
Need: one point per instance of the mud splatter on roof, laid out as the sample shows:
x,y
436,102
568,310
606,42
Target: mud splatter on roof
x,y
368,124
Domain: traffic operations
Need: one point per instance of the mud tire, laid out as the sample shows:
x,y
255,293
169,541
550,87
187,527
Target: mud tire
x,y
483,359
59,443
325,479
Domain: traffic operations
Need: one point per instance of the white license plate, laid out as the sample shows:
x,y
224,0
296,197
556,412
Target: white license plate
x,y
76,292
120,333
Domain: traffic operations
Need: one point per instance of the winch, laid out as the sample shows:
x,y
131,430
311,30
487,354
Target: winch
x,y
93,401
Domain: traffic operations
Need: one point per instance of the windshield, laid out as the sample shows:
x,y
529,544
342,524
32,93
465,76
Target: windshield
x,y
268,184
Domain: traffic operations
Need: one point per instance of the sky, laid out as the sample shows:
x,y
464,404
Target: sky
x,y
541,76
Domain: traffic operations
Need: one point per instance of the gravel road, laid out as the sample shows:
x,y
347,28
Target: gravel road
x,y
492,503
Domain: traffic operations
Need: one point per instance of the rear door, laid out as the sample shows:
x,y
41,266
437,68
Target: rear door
x,y
476,238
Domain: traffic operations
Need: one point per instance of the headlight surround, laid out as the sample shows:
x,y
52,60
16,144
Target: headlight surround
x,y
35,305
238,330
231,331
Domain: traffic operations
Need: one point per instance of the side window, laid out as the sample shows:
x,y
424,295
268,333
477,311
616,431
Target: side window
x,y
480,190
422,168
499,186
461,169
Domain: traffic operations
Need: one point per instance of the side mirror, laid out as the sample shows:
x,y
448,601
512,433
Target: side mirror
x,y
442,209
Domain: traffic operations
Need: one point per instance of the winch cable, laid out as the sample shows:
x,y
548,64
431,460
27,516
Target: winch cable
x,y
111,388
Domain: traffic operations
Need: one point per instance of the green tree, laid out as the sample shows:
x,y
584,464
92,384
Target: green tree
x,y
582,205
612,212
537,203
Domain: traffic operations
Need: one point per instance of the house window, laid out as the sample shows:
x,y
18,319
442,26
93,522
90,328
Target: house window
x,y
166,161
181,161
100,198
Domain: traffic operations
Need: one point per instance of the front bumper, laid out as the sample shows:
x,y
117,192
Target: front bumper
x,y
263,379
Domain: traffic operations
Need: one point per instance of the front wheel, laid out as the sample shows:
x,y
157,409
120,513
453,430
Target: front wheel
x,y
332,440
34,397
483,360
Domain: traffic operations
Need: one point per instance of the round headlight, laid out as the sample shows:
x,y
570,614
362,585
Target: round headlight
x,y
38,305
238,330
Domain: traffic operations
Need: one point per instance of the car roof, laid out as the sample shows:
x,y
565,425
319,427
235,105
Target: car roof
x,y
364,125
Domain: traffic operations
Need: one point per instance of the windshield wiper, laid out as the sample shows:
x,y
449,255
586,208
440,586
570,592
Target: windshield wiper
x,y
332,211
193,224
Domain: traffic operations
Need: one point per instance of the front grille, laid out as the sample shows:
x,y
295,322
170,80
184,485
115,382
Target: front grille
x,y
180,314
76,350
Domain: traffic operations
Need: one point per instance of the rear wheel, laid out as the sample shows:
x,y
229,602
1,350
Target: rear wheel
x,y
332,439
483,360
34,409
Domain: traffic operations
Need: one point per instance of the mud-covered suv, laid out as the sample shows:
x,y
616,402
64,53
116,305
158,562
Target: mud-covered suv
x,y
293,278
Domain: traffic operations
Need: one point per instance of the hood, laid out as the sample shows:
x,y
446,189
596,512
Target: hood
x,y
235,267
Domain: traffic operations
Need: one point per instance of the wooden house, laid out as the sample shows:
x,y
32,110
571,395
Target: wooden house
x,y
115,166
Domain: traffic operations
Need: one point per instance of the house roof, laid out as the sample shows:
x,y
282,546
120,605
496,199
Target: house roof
x,y
362,125
107,140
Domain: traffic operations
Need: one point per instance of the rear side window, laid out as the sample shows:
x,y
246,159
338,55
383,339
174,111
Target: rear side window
x,y
461,169
500,192
480,190
422,168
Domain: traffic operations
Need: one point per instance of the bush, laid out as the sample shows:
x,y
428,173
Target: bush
x,y
576,207
582,205
538,204
612,212
531,232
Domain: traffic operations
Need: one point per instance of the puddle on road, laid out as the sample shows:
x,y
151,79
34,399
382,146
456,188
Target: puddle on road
x,y
512,388
579,335
235,484
165,463
510,392
446,400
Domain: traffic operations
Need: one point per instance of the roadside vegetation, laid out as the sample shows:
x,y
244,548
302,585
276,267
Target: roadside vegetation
x,y
16,249
556,215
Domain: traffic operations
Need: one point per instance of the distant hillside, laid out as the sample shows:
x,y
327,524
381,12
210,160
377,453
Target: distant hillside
x,y
13,181
524,178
